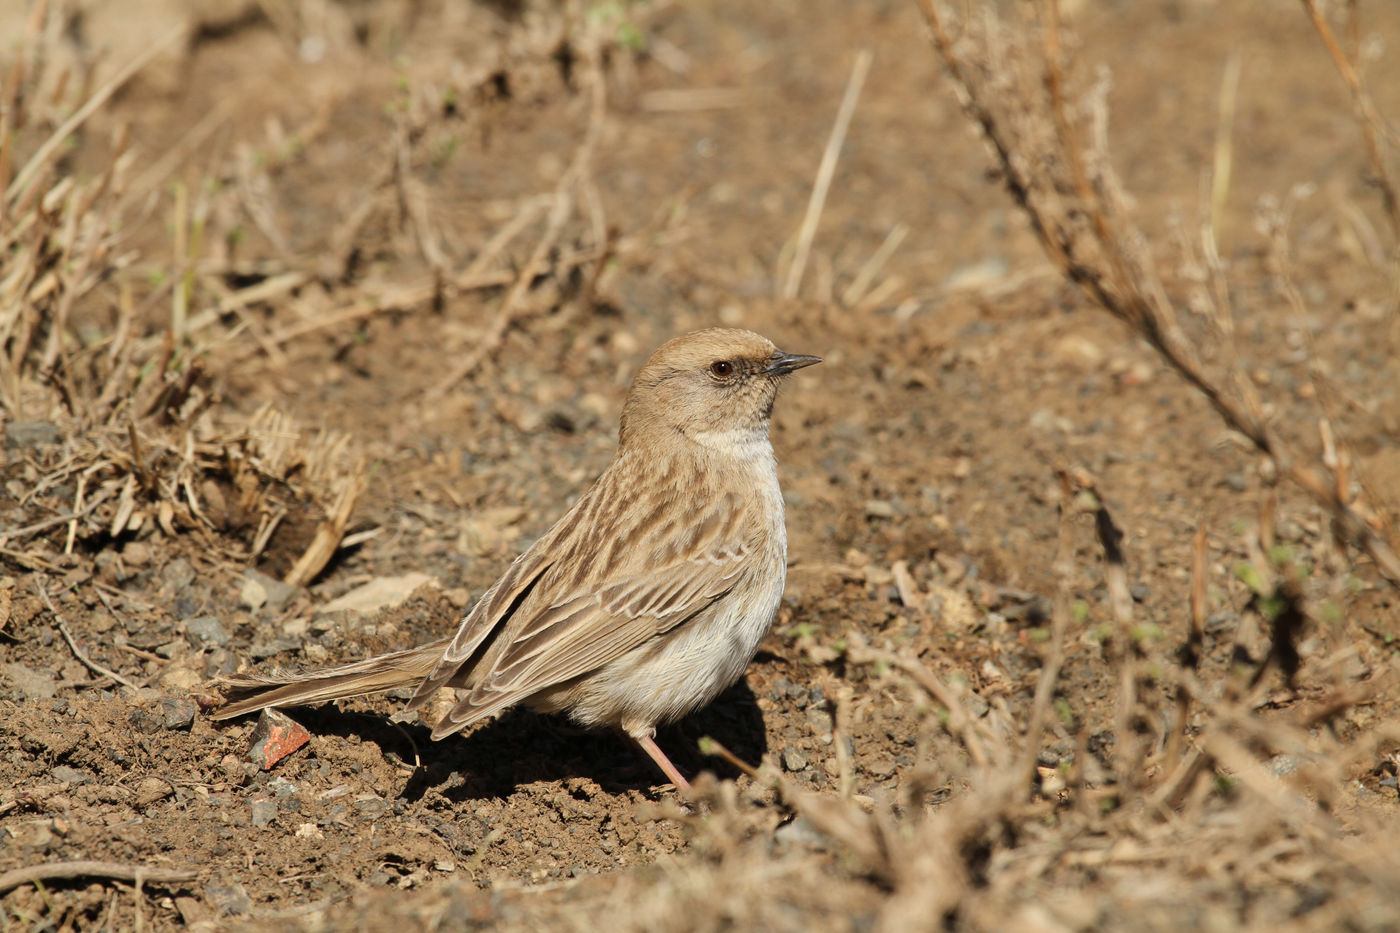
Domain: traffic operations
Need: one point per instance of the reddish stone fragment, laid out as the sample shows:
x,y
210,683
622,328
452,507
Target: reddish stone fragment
x,y
275,737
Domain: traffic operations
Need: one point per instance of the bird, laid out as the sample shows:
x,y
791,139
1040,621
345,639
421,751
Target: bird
x,y
646,599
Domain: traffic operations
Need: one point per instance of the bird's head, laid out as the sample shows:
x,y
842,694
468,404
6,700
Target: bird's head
x,y
715,387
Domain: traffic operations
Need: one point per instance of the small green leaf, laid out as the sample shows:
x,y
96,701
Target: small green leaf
x,y
1272,606
630,37
1249,575
1146,631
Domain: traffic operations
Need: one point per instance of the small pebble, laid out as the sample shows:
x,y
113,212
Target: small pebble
x,y
231,899
67,775
275,737
879,508
281,787
20,435
793,759
264,811
206,631
799,832
137,554
150,790
177,575
177,712
258,590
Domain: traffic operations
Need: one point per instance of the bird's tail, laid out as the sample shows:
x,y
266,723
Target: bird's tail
x,y
248,693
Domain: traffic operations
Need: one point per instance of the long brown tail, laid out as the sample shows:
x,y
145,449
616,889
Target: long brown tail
x,y
248,693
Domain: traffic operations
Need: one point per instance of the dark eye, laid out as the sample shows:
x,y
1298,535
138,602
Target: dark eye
x,y
722,368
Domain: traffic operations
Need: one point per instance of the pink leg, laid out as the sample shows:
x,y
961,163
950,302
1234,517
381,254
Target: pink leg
x,y
647,744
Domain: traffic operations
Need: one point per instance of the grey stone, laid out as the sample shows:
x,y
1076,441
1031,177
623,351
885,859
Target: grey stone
x,y
69,775
371,807
145,721
177,712
879,508
31,683
281,787
276,595
178,574
152,790
819,719
266,649
231,899
264,811
20,435
793,759
206,631
800,832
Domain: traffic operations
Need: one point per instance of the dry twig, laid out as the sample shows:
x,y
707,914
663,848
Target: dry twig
x,y
78,653
1367,118
92,868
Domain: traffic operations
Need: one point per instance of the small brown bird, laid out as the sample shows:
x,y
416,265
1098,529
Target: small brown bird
x,y
648,598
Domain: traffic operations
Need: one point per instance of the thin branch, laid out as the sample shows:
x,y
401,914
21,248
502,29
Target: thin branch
x,y
1118,290
78,653
91,868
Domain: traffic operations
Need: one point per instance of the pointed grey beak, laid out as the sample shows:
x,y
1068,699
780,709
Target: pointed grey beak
x,y
783,363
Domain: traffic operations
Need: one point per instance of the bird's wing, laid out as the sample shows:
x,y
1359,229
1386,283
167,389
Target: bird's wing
x,y
586,628
488,615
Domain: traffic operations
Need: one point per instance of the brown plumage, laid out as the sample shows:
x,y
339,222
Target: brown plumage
x,y
648,597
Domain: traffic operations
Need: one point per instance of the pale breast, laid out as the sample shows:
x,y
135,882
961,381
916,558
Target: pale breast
x,y
686,668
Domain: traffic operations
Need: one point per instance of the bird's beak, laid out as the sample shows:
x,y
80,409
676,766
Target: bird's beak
x,y
780,364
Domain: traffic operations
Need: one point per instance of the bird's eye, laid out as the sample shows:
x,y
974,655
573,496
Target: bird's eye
x,y
722,368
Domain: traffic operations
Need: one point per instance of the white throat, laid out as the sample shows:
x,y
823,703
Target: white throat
x,y
745,444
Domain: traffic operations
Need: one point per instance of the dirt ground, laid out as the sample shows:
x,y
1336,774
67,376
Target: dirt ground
x,y
403,257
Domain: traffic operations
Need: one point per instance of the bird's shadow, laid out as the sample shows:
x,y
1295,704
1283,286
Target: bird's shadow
x,y
520,748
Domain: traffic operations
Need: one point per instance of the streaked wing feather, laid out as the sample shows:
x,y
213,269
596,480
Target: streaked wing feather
x,y
486,617
597,630
615,625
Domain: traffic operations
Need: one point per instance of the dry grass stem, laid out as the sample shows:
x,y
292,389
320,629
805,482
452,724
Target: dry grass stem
x,y
1368,120
826,171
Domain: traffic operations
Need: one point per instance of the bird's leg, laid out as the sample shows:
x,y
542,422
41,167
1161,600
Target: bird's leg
x,y
647,744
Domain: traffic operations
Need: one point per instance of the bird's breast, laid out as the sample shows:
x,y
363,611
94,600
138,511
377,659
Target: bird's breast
x,y
685,668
